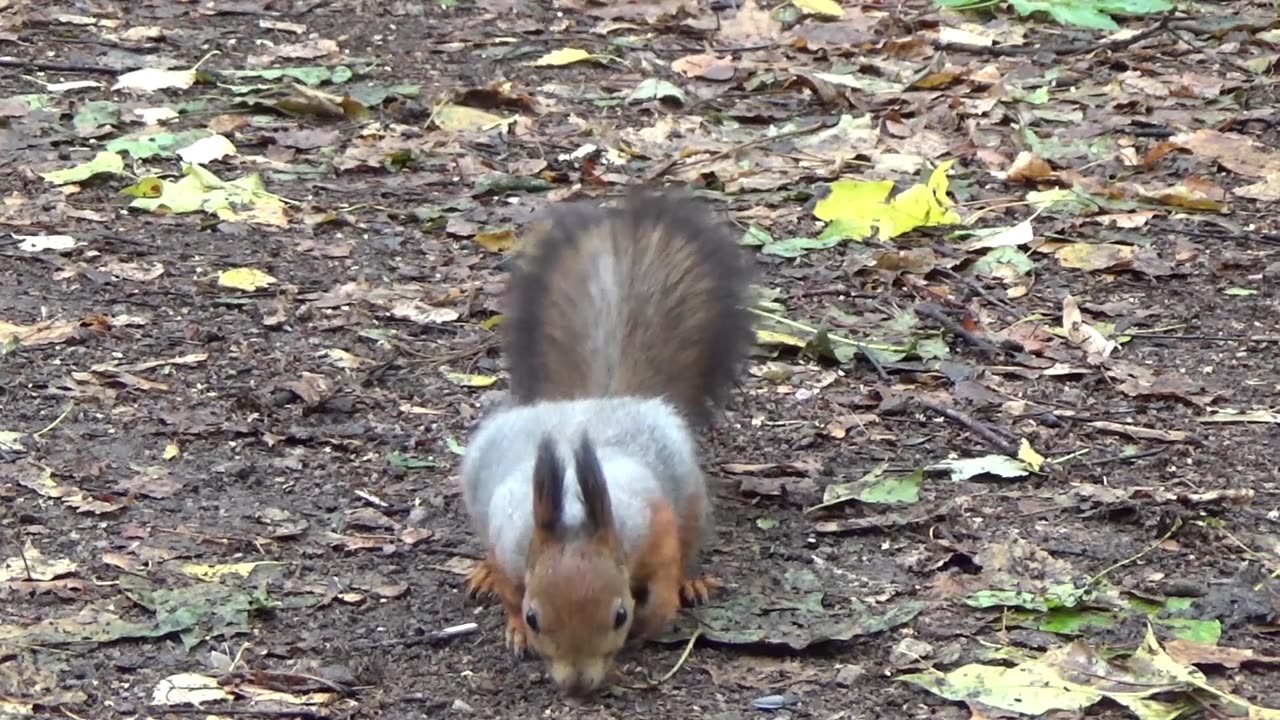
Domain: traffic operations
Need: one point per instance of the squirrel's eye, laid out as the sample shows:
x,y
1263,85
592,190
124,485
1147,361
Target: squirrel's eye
x,y
619,618
531,620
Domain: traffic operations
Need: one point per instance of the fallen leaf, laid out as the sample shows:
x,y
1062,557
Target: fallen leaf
x,y
563,56
149,80
245,278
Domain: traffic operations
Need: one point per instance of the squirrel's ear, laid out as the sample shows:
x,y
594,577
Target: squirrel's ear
x,y
595,493
548,489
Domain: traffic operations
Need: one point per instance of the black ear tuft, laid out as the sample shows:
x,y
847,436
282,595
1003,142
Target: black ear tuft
x,y
595,492
548,488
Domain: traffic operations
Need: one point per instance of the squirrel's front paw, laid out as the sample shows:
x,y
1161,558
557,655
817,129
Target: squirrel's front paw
x,y
698,590
517,635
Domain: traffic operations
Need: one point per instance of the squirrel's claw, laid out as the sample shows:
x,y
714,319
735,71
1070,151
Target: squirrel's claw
x,y
481,580
516,635
698,590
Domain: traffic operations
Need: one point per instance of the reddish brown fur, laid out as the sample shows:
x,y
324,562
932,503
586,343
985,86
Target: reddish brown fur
x,y
658,566
485,578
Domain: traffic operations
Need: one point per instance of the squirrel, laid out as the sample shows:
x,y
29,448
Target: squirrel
x,y
624,333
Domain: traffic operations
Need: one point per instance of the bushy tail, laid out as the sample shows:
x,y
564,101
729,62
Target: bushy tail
x,y
643,299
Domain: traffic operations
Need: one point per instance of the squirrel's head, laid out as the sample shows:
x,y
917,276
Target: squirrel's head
x,y
578,605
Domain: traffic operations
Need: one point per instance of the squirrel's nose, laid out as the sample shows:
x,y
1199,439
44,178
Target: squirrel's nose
x,y
580,684
580,681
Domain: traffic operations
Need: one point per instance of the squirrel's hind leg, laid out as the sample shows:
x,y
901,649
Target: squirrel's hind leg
x,y
693,590
696,591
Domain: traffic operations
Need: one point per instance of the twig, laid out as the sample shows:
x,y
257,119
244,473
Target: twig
x,y
1177,524
265,712
875,363
981,291
937,314
1214,338
664,167
9,61
1061,50
431,638
833,338
684,656
54,424
1122,457
985,432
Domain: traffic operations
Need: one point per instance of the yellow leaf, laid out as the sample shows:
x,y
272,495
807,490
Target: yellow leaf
x,y
244,278
492,322
857,200
920,206
1096,256
454,118
171,450
1028,455
769,337
826,8
214,573
497,240
465,380
563,56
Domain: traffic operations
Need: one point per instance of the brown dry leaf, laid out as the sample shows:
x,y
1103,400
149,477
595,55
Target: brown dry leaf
x,y
1029,167
1238,153
1192,193
413,536
356,542
1266,191
1186,652
33,565
1096,256
751,25
155,482
707,67
1083,335
312,389
48,332
136,272
1140,381
110,376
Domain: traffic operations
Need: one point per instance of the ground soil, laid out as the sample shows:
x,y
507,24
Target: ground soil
x,y
249,447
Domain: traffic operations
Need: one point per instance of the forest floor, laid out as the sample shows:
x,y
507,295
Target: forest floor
x,y
230,433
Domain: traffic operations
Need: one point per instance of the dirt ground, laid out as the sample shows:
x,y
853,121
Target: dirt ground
x,y
283,456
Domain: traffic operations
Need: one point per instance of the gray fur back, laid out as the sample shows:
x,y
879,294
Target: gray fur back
x,y
644,445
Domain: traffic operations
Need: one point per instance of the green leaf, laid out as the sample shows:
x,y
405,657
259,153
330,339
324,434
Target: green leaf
x,y
410,462
653,89
141,147
309,75
797,246
874,488
998,465
103,163
932,348
96,113
755,236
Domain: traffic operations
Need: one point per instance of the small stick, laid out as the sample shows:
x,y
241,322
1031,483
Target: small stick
x,y
55,422
986,433
13,62
937,314
1121,457
684,656
664,167
1212,338
448,633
